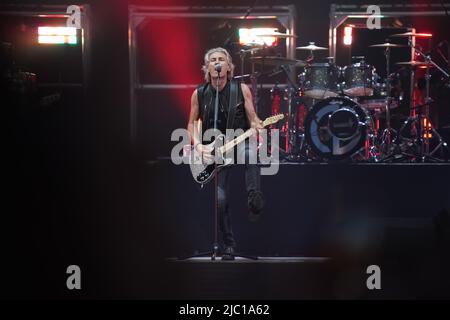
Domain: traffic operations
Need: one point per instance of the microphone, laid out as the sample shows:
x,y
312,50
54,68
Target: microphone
x,y
218,67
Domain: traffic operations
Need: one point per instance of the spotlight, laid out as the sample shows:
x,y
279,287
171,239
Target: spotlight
x,y
348,36
57,35
249,36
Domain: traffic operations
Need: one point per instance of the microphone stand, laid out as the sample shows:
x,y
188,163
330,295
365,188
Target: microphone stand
x,y
215,250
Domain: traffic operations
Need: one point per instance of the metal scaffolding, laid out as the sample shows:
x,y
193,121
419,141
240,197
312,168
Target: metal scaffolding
x,y
340,13
286,15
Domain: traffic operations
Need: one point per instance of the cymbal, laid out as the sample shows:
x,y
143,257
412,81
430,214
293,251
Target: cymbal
x,y
311,47
414,63
250,50
412,34
387,45
252,45
277,61
277,35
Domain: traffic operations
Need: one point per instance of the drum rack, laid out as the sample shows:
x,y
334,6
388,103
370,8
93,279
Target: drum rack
x,y
340,13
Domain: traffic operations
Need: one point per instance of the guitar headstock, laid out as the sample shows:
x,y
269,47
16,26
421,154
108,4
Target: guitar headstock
x,y
273,119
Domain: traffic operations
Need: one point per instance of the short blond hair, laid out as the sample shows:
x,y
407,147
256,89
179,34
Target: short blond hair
x,y
229,62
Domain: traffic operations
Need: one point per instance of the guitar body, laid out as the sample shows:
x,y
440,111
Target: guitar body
x,y
204,172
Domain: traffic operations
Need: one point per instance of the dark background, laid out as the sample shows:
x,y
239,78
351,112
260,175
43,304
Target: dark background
x,y
77,194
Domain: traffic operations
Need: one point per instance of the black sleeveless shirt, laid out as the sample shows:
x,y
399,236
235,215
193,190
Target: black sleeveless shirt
x,y
206,95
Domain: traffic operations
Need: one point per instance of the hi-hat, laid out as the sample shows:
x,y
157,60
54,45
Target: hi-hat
x,y
412,34
250,50
252,45
387,45
277,35
311,47
414,63
277,61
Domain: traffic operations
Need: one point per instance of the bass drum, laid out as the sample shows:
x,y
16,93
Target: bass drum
x,y
337,128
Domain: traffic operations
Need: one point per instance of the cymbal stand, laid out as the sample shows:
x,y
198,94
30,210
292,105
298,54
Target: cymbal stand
x,y
386,136
423,131
254,74
292,130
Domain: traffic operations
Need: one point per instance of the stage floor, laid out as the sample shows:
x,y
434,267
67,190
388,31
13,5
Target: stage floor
x,y
258,260
308,207
322,226
423,276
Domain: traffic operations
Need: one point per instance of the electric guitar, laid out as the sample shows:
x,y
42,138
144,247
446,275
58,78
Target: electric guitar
x,y
204,172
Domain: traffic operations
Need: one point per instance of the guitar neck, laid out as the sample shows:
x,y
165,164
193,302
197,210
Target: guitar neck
x,y
231,144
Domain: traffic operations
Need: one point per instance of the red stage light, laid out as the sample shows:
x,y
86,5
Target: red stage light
x,y
428,127
348,39
424,35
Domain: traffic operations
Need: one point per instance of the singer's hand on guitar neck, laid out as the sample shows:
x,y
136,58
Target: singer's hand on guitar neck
x,y
257,124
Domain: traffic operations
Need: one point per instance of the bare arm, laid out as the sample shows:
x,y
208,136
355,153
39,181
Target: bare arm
x,y
252,117
194,120
194,129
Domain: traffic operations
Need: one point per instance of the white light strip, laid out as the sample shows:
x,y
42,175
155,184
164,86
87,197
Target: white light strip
x,y
252,35
72,40
57,31
51,39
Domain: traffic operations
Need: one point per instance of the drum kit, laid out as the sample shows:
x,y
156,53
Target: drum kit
x,y
334,113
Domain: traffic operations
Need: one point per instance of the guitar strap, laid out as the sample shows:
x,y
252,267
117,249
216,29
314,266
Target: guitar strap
x,y
204,97
233,103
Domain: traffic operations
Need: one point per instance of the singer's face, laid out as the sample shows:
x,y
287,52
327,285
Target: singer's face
x,y
215,58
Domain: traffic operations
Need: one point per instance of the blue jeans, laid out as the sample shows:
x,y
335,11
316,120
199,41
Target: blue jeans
x,y
252,181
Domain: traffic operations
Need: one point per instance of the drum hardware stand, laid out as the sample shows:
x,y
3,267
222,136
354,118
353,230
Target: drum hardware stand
x,y
386,136
254,84
425,145
372,152
419,144
447,60
310,58
275,94
370,147
292,131
243,53
254,74
423,148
